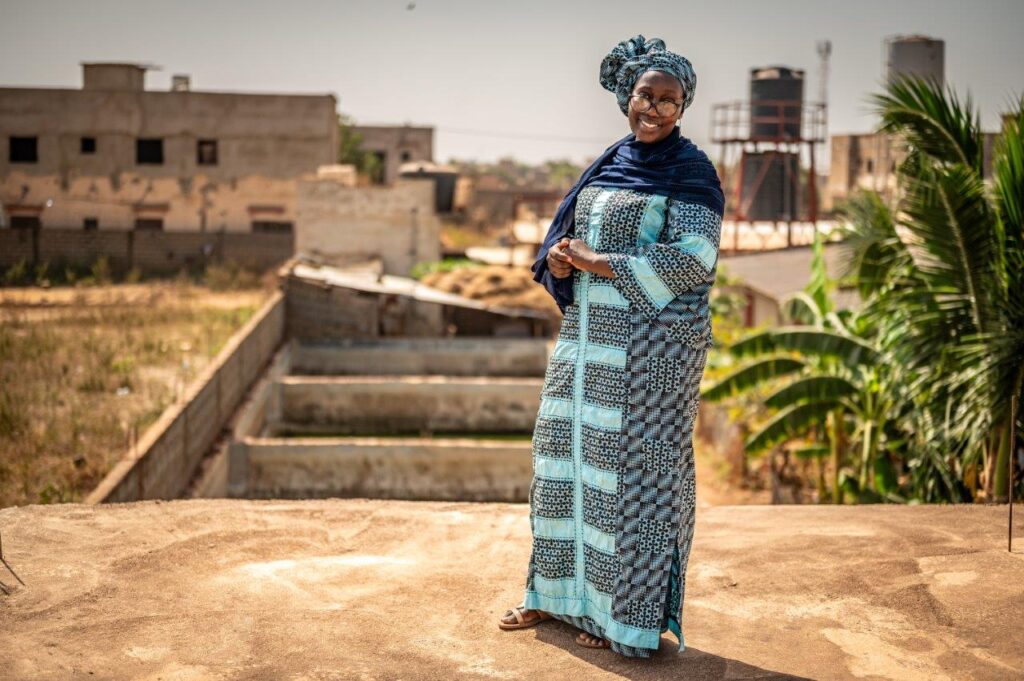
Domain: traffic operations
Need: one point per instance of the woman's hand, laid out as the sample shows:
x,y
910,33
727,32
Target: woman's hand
x,y
559,262
585,258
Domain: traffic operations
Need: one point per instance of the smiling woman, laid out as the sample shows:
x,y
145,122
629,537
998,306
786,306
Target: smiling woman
x,y
630,259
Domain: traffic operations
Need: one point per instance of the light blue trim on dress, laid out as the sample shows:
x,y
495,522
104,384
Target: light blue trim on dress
x,y
554,528
565,350
553,469
699,246
607,294
653,220
602,417
547,595
555,407
603,354
645,275
606,481
598,539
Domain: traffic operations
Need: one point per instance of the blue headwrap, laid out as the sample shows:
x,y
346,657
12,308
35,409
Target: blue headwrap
x,y
674,167
632,58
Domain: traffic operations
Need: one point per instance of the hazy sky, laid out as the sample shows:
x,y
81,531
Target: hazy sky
x,y
524,72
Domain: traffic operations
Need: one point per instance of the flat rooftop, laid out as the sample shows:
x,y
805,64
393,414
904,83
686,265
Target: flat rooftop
x,y
371,589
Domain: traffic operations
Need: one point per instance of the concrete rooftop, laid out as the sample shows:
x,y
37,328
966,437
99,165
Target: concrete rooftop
x,y
369,589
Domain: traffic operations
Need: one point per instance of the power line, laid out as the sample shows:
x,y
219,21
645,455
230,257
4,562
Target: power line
x,y
524,136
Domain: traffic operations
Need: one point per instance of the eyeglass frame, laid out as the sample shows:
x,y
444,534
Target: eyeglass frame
x,y
652,105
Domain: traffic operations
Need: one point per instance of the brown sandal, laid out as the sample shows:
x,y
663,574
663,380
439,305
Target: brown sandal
x,y
521,621
604,643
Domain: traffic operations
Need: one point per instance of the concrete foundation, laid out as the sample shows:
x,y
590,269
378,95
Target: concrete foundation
x,y
409,404
387,468
426,356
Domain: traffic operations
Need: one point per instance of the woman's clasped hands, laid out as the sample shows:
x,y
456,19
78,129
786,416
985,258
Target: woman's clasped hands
x,y
568,254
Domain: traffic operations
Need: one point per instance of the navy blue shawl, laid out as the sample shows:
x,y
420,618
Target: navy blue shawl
x,y
674,167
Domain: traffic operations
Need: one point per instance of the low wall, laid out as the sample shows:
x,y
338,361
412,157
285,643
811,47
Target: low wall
x,y
425,356
409,404
169,452
386,468
153,252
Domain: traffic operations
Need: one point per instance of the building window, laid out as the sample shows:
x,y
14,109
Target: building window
x,y
88,145
154,224
379,173
271,227
206,152
406,157
23,150
25,222
90,224
149,151
871,166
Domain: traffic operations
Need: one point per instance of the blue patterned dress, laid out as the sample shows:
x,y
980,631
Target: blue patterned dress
x,y
612,499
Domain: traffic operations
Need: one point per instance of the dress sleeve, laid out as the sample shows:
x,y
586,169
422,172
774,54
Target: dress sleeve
x,y
683,258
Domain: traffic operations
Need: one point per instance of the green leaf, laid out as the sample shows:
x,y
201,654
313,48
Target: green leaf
x,y
789,423
752,375
811,389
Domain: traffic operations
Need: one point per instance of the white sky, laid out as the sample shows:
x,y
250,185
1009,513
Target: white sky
x,y
526,70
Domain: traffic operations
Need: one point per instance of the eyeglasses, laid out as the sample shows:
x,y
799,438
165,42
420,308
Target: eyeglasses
x,y
643,104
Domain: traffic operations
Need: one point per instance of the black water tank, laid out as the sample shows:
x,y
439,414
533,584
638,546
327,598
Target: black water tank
x,y
781,119
444,182
776,196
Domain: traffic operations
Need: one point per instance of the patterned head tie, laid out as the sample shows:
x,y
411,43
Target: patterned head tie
x,y
631,58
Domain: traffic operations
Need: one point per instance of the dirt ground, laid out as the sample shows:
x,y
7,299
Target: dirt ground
x,y
370,589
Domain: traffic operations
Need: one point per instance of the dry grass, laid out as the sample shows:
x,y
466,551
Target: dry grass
x,y
495,285
82,371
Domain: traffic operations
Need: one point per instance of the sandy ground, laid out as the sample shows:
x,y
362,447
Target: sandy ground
x,y
369,589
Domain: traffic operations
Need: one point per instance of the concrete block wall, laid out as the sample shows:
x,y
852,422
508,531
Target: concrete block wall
x,y
153,252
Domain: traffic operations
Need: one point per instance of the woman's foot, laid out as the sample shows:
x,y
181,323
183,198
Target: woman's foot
x,y
591,641
520,618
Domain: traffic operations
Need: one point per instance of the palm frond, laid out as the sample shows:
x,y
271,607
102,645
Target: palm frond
x,y
932,119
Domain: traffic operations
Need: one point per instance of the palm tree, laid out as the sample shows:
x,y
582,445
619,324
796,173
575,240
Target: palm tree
x,y
947,272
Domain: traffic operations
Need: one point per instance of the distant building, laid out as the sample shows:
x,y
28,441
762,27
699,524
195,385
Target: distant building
x,y
394,145
869,161
115,156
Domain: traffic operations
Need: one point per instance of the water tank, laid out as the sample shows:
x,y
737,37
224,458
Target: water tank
x,y
775,197
444,178
776,103
916,55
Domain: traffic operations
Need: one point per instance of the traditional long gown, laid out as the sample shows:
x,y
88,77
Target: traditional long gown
x,y
613,494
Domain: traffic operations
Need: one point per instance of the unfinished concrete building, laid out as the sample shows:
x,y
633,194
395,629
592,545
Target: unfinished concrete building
x,y
115,156
394,145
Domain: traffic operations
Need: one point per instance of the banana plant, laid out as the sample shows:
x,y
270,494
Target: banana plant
x,y
825,376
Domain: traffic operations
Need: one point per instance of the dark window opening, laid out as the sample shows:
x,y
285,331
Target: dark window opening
x,y
155,224
871,165
206,152
23,150
380,168
90,223
88,145
25,222
149,151
406,156
271,227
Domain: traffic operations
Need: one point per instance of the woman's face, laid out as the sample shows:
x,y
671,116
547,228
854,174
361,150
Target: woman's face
x,y
650,126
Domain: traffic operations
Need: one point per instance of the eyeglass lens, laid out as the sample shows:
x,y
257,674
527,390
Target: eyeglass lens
x,y
664,107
